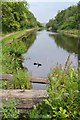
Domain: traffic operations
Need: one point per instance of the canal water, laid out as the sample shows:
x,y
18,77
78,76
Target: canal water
x,y
49,49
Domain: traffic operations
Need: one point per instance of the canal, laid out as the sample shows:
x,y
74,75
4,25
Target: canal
x,y
49,49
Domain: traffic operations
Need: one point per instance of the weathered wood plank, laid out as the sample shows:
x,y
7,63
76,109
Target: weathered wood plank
x,y
27,104
42,80
25,99
6,76
27,94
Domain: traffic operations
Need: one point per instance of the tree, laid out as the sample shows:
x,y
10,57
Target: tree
x,y
65,19
16,16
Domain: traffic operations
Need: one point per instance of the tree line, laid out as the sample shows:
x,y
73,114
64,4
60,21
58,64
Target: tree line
x,y
66,19
16,16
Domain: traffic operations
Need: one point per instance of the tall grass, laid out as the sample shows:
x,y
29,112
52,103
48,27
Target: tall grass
x,y
63,101
21,80
73,32
12,64
11,36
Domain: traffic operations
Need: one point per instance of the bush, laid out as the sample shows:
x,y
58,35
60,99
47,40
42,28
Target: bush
x,y
9,109
12,64
12,56
21,80
63,102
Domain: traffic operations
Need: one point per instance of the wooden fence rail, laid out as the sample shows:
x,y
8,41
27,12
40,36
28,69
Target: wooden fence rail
x,y
42,80
27,98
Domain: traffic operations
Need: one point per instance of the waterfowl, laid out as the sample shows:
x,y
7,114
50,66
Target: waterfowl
x,y
39,64
35,63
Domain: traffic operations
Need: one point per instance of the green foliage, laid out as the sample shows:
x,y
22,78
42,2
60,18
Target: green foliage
x,y
28,41
21,80
16,16
14,35
40,26
68,43
9,109
63,101
63,90
17,48
12,64
12,55
41,111
65,20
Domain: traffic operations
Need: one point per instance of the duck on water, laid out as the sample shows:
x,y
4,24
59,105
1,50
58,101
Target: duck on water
x,y
38,64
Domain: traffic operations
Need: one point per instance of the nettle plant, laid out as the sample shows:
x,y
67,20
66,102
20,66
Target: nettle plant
x,y
21,79
63,101
63,92
9,110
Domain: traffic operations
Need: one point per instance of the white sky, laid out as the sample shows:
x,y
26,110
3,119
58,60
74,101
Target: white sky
x,y
52,0
40,0
44,11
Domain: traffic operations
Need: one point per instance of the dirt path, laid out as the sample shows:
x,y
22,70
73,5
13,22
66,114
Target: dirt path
x,y
19,34
1,38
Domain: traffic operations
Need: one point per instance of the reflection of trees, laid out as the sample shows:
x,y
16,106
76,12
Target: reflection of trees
x,y
79,52
29,40
68,43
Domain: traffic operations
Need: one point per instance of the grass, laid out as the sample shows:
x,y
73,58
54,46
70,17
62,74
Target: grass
x,y
73,32
12,61
14,35
63,102
11,64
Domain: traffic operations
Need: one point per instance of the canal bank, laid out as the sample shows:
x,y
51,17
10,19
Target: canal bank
x,y
49,49
11,61
71,33
45,44
9,37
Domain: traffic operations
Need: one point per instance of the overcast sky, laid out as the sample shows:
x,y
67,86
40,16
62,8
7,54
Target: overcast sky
x,y
44,11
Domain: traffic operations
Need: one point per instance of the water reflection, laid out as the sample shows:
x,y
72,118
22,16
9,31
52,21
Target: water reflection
x,y
70,44
29,40
78,52
49,50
